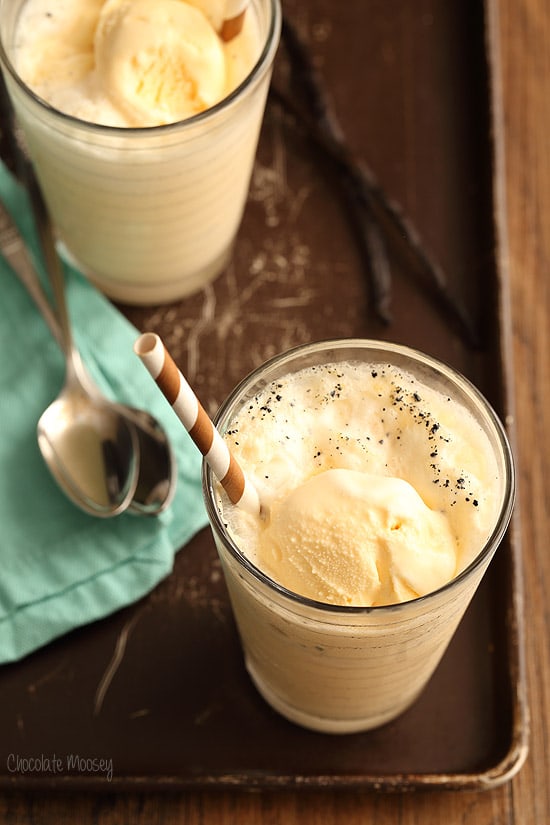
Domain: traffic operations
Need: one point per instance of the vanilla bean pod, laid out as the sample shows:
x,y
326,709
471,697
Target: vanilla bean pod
x,y
371,241
324,129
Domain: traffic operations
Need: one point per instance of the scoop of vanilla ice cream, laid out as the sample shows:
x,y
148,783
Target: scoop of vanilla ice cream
x,y
352,538
160,61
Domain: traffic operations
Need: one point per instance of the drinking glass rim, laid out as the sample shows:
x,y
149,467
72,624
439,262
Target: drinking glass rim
x,y
252,79
440,366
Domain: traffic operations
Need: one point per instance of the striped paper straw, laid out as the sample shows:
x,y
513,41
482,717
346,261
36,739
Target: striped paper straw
x,y
194,418
235,11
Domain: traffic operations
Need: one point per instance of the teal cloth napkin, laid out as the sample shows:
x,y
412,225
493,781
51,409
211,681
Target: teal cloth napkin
x,y
61,568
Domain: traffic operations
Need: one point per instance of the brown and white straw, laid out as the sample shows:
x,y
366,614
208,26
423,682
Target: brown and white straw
x,y
162,367
235,11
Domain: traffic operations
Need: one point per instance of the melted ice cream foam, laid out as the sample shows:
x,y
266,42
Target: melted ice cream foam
x,y
131,63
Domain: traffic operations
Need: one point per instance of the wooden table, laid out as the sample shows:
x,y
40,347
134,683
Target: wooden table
x,y
525,53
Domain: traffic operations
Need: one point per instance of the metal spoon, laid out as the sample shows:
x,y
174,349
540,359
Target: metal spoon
x,y
90,448
157,469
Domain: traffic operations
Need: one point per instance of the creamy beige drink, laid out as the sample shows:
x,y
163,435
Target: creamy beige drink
x,y
386,483
143,124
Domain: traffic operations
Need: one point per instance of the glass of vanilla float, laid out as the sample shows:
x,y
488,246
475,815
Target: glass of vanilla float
x,y
142,119
386,484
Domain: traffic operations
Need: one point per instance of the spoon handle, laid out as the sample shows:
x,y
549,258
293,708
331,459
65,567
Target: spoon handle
x,y
13,246
24,169
51,258
15,252
75,370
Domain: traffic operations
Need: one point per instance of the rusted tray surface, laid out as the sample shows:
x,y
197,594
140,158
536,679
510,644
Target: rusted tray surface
x,y
158,691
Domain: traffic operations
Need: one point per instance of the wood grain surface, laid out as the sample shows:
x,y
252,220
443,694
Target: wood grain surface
x,y
524,27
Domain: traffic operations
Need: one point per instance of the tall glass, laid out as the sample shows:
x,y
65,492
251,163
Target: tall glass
x,y
343,669
148,214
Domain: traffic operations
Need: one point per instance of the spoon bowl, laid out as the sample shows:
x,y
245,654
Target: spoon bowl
x,y
91,450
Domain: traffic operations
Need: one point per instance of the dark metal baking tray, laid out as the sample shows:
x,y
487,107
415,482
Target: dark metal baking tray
x,y
158,690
